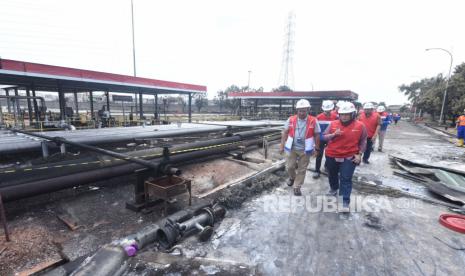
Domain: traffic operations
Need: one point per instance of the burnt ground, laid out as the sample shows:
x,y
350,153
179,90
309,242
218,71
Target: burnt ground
x,y
99,214
276,234
260,234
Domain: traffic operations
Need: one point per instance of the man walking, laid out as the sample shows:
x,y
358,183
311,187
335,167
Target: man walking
x,y
346,140
300,138
324,119
372,123
385,121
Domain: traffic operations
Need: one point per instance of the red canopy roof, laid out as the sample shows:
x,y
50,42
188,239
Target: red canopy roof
x,y
18,70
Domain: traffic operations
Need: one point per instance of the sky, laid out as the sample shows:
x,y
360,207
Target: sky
x,y
369,47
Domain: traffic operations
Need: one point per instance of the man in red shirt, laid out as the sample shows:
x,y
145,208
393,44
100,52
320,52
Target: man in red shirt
x,y
372,122
324,119
346,140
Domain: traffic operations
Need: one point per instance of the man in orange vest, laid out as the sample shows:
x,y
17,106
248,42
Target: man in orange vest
x,y
346,138
460,125
301,139
372,122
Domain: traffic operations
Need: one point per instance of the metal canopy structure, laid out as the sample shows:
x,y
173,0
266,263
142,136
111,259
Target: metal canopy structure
x,y
254,104
41,77
346,95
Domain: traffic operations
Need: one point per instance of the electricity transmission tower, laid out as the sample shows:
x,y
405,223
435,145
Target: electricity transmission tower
x,y
286,77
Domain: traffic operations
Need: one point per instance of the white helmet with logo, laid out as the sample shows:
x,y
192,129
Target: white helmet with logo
x,y
381,109
302,103
346,107
368,105
327,105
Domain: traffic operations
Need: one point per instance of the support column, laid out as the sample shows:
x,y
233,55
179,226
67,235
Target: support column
x,y
293,106
107,96
280,108
190,107
91,101
240,107
17,101
76,105
141,109
156,107
29,106
62,103
7,93
34,101
255,107
135,103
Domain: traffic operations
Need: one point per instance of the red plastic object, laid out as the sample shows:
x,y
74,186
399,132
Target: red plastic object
x,y
453,222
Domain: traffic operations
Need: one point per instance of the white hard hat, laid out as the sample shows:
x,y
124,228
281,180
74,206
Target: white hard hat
x,y
339,103
346,107
381,109
302,103
368,105
327,105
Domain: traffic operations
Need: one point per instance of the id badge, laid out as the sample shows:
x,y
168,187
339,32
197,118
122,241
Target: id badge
x,y
339,160
299,140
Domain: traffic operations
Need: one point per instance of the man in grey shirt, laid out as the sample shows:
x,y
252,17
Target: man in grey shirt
x,y
301,139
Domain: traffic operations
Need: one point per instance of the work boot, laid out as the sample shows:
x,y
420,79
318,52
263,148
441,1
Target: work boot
x,y
345,208
332,192
290,182
316,175
297,192
380,149
366,161
459,142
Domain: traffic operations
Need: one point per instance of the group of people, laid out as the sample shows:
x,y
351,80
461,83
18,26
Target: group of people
x,y
345,136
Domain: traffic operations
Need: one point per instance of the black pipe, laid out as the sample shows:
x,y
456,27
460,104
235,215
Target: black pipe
x,y
61,140
42,100
172,231
58,183
28,174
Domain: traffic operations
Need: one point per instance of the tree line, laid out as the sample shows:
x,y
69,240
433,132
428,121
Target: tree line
x,y
427,94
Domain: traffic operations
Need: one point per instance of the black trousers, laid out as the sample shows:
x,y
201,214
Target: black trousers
x,y
319,157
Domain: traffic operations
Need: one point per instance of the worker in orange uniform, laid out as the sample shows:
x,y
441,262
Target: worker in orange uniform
x,y
460,125
300,138
346,138
372,122
324,119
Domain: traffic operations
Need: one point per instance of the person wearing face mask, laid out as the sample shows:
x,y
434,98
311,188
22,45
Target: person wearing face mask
x,y
346,141
301,139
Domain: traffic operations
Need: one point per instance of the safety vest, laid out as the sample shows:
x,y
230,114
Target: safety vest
x,y
371,123
309,132
347,144
461,120
324,121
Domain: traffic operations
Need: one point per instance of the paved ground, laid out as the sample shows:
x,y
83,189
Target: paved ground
x,y
402,238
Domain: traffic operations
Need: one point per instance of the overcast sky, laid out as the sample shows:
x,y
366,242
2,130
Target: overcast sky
x,y
369,47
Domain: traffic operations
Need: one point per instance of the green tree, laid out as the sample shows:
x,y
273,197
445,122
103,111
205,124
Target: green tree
x,y
282,88
200,101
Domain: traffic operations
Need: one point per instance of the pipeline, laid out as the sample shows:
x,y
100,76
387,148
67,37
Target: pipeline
x,y
42,100
14,192
112,259
61,140
14,176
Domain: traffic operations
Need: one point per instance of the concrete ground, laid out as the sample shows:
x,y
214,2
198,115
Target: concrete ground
x,y
278,234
